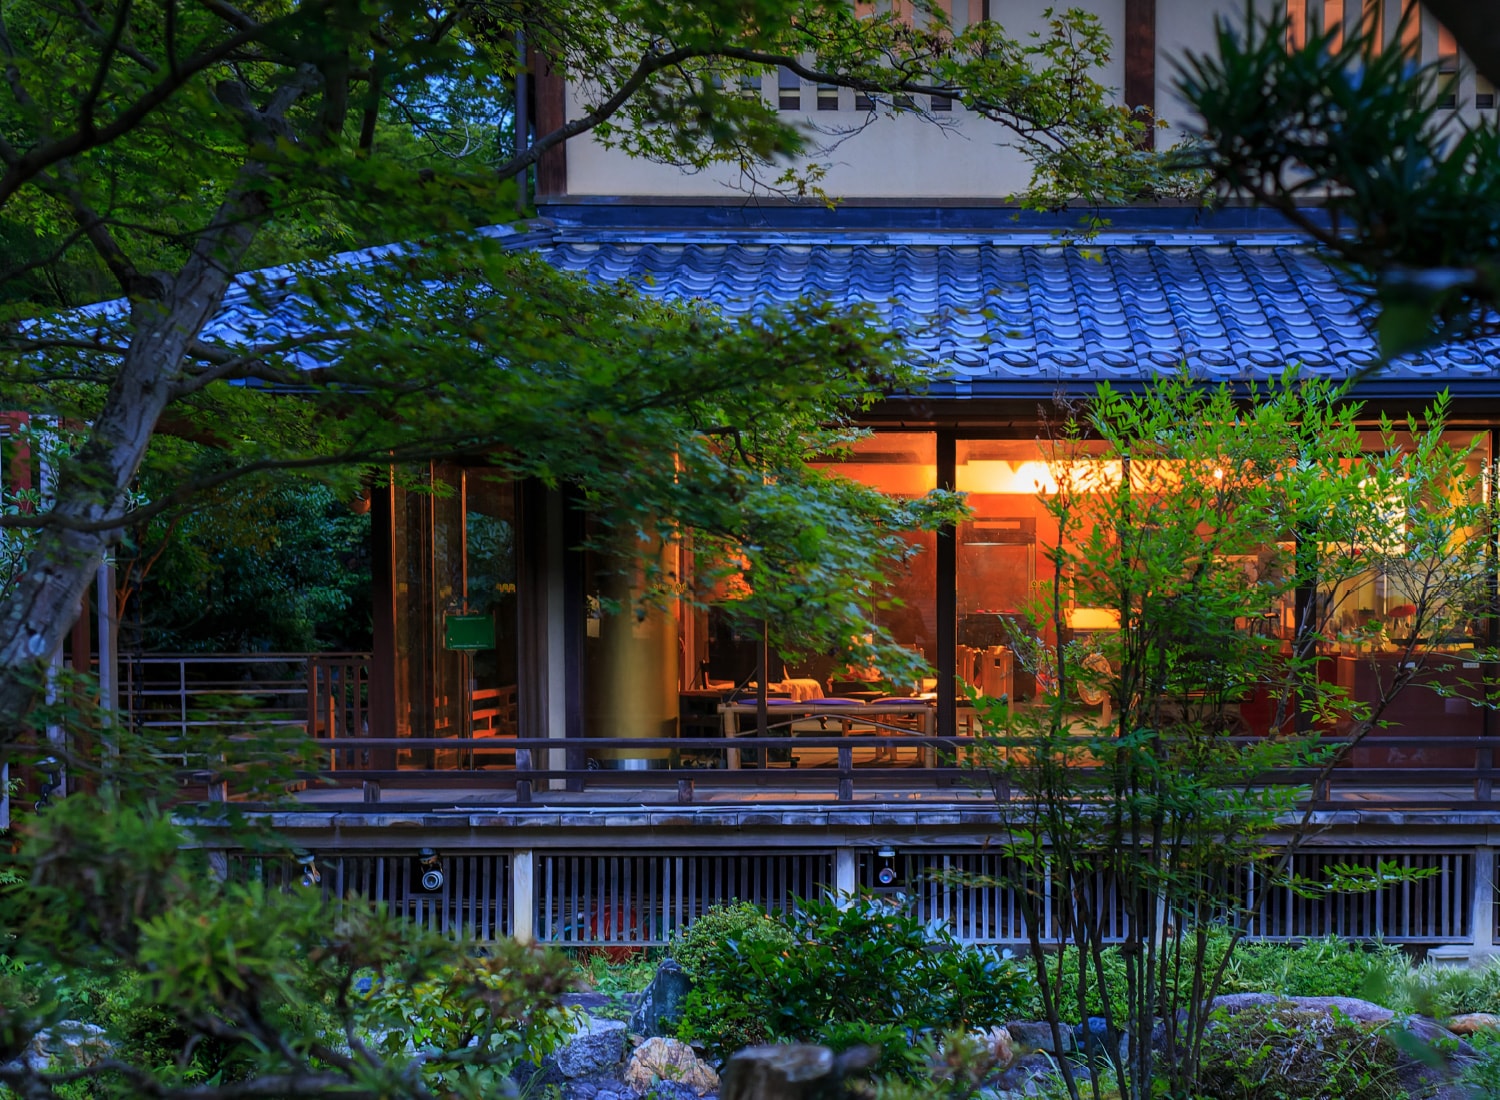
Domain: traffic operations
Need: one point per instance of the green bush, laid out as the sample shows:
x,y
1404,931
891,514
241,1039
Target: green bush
x,y
1116,979
827,968
1482,1076
1287,1054
724,1010
710,945
1443,991
1328,967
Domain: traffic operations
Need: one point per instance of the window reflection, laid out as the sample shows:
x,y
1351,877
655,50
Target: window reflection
x,y
455,610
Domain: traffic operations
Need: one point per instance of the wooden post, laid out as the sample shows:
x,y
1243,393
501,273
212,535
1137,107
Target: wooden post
x,y
549,96
845,873
523,895
947,596
1140,63
846,774
523,777
1482,913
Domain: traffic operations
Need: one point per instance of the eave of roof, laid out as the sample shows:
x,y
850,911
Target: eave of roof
x,y
999,308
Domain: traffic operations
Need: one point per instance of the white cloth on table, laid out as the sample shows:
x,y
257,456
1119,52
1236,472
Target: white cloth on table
x,y
798,690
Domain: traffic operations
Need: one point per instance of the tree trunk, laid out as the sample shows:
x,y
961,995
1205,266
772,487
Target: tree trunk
x,y
92,488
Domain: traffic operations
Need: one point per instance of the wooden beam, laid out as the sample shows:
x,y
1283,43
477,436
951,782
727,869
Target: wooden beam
x,y
1140,63
550,104
383,664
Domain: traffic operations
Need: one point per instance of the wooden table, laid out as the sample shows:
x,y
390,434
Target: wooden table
x,y
866,714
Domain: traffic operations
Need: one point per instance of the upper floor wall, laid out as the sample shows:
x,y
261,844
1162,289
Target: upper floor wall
x,y
870,155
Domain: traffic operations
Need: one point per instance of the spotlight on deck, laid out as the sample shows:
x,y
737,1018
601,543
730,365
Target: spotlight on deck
x,y
886,873
431,865
310,875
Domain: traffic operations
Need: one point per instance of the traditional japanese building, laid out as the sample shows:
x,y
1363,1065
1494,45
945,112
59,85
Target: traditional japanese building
x,y
572,771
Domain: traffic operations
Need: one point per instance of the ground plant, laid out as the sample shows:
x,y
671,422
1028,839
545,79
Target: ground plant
x,y
844,971
1197,517
1286,1054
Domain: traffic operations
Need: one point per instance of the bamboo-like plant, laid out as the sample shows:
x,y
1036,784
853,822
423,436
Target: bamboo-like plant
x,y
1231,533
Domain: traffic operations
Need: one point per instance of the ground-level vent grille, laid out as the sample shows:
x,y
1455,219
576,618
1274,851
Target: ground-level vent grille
x,y
643,900
1431,909
972,894
473,902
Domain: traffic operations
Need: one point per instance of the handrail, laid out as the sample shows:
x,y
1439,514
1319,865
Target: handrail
x,y
950,764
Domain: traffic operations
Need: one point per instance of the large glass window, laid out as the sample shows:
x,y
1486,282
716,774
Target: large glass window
x,y
901,464
455,602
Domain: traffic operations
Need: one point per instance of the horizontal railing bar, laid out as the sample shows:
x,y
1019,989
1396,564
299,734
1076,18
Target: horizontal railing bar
x,y
240,658
750,740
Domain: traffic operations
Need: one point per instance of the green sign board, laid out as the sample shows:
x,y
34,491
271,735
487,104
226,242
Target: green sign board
x,y
469,630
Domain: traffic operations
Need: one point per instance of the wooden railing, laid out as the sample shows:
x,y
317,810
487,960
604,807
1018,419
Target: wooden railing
x,y
178,692
940,768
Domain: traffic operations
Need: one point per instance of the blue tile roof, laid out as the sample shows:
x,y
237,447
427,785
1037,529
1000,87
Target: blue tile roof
x,y
992,312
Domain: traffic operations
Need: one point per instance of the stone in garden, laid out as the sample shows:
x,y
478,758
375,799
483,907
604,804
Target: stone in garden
x,y
1351,1008
1033,1035
1472,1023
997,1041
660,1007
659,1059
792,1071
1031,1075
72,1043
671,1090
597,1046
1090,1037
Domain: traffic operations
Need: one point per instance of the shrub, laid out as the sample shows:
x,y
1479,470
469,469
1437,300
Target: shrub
x,y
1287,1054
829,971
1443,991
1328,967
1482,1076
710,945
727,1010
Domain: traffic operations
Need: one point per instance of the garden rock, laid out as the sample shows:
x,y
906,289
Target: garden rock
x,y
1351,1008
660,1007
1030,1075
1090,1037
1472,1023
659,1059
72,1043
1034,1035
598,1046
998,1042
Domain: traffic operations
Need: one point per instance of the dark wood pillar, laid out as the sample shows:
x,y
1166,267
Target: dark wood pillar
x,y
947,595
574,609
383,664
532,607
550,104
1140,63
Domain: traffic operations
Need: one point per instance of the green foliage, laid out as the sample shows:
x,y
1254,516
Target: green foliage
x,y
1192,514
1285,1054
1483,1075
498,1010
857,970
1441,991
1328,967
711,943
725,1008
272,567
1354,126
114,914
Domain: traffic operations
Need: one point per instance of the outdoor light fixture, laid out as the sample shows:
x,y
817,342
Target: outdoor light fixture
x,y
885,867
432,870
310,875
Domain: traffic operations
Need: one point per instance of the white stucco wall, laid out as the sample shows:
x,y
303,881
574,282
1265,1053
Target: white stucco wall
x,y
909,158
895,157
